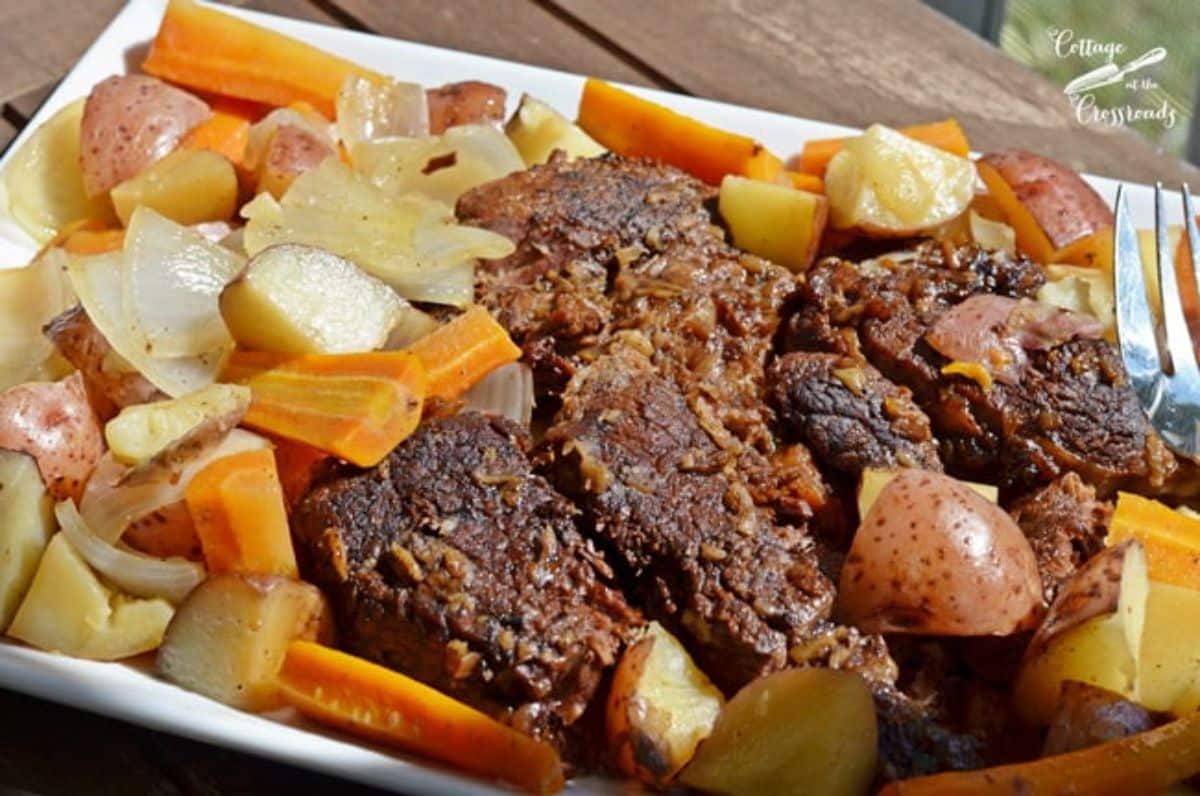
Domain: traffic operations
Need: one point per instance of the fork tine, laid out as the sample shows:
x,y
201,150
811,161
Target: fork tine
x,y
1179,340
1135,325
1189,223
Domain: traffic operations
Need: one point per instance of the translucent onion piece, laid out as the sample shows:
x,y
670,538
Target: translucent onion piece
x,y
97,282
444,167
113,498
170,281
992,234
367,109
137,574
506,391
410,242
262,131
30,297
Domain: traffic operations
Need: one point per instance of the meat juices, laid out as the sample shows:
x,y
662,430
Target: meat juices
x,y
452,562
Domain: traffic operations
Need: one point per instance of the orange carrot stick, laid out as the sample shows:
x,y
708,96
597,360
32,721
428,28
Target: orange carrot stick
x,y
1031,239
237,509
298,465
805,182
205,49
385,706
1090,251
1171,539
463,351
226,132
94,241
630,125
946,135
1145,763
356,406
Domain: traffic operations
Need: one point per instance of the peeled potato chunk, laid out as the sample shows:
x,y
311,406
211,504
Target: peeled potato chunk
x,y
69,610
795,731
26,524
887,184
659,709
229,637
536,130
779,223
141,431
1168,675
297,299
187,186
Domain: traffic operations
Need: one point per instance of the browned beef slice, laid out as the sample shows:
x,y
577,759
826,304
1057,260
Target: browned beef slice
x,y
849,415
913,742
452,562
673,509
1073,409
571,223
1065,524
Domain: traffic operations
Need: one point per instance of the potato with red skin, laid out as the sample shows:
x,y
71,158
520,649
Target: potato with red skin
x,y
468,102
292,151
55,424
934,557
129,122
1062,203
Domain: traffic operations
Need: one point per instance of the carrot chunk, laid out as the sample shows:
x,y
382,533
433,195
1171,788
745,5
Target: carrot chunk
x,y
946,135
1171,539
356,406
207,50
805,182
463,351
1148,762
382,705
227,131
630,125
1031,239
236,504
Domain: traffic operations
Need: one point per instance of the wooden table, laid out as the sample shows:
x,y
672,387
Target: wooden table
x,y
848,61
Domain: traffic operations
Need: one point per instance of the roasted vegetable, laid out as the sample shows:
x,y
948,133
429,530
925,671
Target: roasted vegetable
x,y
370,109
144,430
887,184
1088,715
54,423
660,708
1171,539
795,731
460,353
874,480
30,298
69,610
26,525
537,130
186,186
296,299
635,127
291,151
382,705
1049,205
227,131
44,180
932,556
229,637
1090,634
205,49
1168,658
945,135
130,122
236,504
779,223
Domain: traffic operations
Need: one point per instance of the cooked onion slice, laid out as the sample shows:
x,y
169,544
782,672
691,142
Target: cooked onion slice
x,y
117,495
171,278
140,575
367,109
507,391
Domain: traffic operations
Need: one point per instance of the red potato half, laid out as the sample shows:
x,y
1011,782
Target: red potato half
x,y
1060,201
54,423
934,557
129,122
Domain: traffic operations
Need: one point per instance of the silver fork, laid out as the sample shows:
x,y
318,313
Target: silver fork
x,y
1167,382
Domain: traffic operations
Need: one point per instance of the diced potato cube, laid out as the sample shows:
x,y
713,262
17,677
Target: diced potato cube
x,y
773,221
297,299
536,130
1168,671
26,524
187,186
229,637
69,610
143,430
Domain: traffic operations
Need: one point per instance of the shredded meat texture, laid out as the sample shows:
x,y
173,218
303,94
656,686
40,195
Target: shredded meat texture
x,y
1066,524
674,511
452,562
1072,411
849,415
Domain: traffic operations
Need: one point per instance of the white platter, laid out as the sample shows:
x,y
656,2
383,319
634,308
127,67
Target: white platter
x,y
129,692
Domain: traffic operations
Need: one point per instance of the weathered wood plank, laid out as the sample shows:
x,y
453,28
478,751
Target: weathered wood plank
x,y
858,62
518,30
8,132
